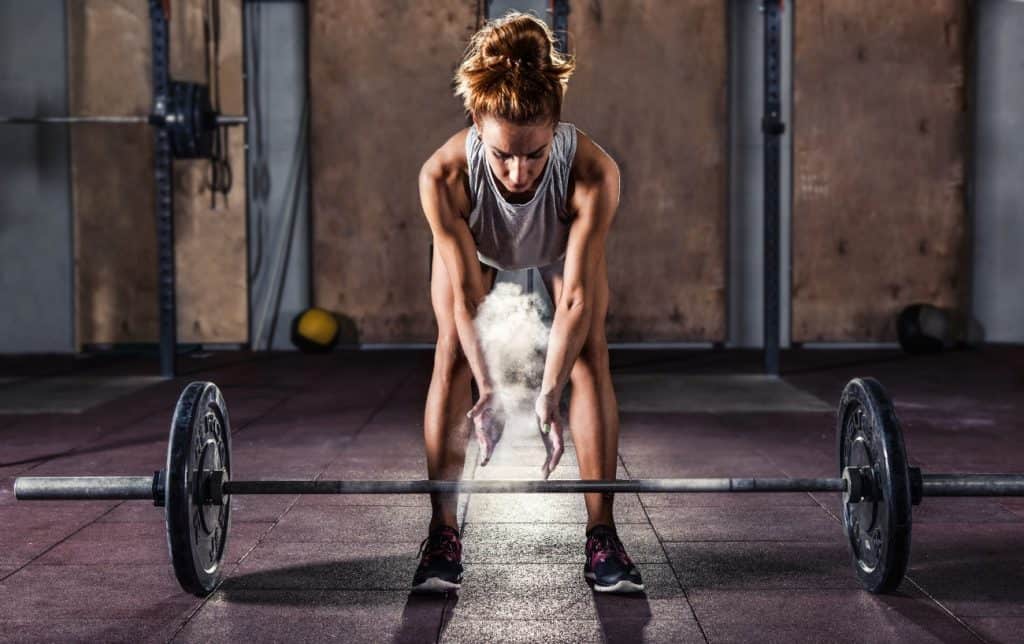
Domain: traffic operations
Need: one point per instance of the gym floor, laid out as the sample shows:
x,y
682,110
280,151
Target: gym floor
x,y
718,567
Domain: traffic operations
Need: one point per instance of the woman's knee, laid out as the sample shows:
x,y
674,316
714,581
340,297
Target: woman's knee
x,y
449,358
592,361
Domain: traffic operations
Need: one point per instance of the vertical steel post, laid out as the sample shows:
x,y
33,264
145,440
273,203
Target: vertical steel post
x,y
560,24
164,193
772,127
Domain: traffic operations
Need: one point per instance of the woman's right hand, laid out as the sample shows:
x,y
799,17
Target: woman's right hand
x,y
488,416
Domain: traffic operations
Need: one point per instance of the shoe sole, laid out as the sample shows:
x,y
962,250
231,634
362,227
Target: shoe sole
x,y
436,585
624,586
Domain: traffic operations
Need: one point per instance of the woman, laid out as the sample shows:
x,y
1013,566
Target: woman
x,y
520,189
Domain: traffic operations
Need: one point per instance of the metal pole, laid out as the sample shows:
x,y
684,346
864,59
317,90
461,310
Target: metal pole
x,y
772,127
166,295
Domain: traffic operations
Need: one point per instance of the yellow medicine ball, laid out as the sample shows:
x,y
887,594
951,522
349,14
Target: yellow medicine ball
x,y
315,330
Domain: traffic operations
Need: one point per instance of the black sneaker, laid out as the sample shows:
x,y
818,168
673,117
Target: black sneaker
x,y
608,565
440,568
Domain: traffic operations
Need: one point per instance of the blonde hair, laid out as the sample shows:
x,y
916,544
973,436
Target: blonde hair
x,y
512,70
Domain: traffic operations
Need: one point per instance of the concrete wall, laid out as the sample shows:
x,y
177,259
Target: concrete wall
x,y
278,169
36,288
998,194
879,148
651,89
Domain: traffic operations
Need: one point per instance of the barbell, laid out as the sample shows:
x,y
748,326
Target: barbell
x,y
195,487
187,113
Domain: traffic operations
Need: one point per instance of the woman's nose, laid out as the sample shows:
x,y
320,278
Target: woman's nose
x,y
516,171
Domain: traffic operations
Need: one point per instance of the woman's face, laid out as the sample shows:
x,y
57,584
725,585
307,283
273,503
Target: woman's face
x,y
516,153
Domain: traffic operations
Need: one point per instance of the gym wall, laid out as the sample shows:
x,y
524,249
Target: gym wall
x,y
112,181
381,101
651,89
880,115
380,109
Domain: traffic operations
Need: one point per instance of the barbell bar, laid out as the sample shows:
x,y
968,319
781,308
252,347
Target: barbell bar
x,y
127,488
195,488
186,112
152,119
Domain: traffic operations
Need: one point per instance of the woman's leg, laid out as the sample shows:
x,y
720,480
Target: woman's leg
x,y
593,409
446,429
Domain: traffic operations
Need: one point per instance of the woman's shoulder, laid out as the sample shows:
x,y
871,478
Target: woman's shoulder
x,y
591,162
450,158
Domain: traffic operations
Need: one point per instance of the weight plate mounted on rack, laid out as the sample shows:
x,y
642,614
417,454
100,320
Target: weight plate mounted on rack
x,y
877,529
197,529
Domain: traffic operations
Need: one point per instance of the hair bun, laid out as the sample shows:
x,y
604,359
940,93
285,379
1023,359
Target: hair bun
x,y
512,70
517,43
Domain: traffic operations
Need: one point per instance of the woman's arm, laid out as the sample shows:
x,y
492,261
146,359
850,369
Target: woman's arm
x,y
594,201
438,178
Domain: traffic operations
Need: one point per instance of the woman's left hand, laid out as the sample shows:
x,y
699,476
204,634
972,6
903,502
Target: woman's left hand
x,y
551,424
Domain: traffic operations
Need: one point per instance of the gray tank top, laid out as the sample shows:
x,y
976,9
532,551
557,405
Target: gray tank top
x,y
513,236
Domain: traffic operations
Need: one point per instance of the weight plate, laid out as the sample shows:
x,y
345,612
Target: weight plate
x,y
878,530
197,530
193,124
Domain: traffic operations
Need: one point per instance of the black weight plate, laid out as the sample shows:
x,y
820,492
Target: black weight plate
x,y
879,530
197,531
194,121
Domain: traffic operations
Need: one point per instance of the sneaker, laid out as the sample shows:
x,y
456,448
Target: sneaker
x,y
608,565
440,568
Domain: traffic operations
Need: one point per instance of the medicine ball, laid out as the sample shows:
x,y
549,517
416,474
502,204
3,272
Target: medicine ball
x,y
315,330
923,328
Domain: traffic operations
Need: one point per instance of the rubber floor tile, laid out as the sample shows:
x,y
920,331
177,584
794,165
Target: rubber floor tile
x,y
549,543
559,591
975,570
340,565
546,508
316,616
144,592
758,524
138,543
823,616
763,565
352,524
114,631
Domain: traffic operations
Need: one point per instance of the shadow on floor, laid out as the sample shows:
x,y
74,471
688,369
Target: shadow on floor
x,y
424,618
622,617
